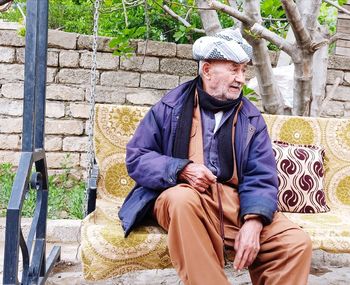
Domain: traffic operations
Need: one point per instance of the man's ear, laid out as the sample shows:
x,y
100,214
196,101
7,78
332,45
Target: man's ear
x,y
206,70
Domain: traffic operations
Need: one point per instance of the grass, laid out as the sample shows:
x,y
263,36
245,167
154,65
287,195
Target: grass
x,y
66,195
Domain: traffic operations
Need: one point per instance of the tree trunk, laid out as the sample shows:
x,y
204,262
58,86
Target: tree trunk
x,y
270,94
303,19
320,66
210,19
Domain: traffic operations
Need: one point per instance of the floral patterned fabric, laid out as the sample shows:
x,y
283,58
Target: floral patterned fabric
x,y
106,253
300,177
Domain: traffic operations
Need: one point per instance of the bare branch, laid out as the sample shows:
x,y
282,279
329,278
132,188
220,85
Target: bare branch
x,y
336,37
273,38
336,5
180,19
231,11
302,36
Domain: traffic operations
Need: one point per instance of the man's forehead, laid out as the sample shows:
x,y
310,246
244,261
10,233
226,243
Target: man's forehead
x,y
235,64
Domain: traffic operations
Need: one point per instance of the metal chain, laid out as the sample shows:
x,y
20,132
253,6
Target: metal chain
x,y
90,126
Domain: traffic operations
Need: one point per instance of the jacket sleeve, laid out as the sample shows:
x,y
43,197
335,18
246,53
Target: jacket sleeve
x,y
146,163
259,186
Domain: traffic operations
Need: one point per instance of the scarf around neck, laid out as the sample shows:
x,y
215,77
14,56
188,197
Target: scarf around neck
x,y
184,125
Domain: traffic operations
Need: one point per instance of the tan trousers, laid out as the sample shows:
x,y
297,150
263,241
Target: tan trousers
x,y
196,248
195,244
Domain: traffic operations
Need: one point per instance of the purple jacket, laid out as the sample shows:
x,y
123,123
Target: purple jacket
x,y
150,163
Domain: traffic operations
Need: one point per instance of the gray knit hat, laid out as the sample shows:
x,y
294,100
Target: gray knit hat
x,y
225,45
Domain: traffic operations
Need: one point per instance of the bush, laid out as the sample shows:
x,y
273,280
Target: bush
x,y
66,195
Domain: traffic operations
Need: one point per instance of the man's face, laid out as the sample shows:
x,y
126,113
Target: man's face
x,y
223,79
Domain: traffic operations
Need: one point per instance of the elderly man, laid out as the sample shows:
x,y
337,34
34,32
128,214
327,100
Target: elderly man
x,y
204,167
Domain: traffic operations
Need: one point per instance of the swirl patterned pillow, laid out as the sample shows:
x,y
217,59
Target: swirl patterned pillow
x,y
301,178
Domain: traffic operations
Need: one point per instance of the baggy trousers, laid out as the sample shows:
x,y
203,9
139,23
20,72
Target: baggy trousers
x,y
196,247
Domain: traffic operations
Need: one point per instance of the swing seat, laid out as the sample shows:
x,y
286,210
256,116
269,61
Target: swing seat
x,y
106,253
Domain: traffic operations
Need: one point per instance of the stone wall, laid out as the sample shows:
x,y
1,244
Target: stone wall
x,y
142,79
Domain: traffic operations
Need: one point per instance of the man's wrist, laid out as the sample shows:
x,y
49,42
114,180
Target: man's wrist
x,y
252,217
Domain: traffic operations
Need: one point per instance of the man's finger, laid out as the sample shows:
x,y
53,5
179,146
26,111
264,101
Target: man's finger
x,y
253,254
238,256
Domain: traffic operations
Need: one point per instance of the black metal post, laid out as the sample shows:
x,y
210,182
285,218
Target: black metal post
x,y
35,266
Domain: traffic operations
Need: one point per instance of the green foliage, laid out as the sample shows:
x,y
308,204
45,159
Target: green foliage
x,y
66,195
249,93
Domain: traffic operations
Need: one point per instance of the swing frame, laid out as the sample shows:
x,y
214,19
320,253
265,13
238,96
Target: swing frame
x,y
36,267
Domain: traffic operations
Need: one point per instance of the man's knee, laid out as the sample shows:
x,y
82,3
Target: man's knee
x,y
302,244
179,198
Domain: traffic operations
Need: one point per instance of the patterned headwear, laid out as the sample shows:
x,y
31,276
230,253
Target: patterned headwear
x,y
225,45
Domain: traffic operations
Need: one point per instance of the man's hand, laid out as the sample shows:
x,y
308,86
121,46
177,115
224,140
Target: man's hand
x,y
198,176
247,243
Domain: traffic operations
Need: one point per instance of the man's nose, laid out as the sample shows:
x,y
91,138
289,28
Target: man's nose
x,y
240,76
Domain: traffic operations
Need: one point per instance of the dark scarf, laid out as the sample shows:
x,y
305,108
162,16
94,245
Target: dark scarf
x,y
184,125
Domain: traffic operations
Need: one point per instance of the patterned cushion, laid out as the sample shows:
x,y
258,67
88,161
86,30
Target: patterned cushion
x,y
106,253
301,178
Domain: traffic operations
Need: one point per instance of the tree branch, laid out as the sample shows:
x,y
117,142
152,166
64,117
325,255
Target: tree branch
x,y
336,37
336,5
180,19
273,38
302,36
230,11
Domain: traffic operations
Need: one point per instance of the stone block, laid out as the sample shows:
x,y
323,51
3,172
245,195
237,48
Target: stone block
x,y
140,63
11,71
339,62
346,78
55,110
142,96
11,107
333,109
64,40
341,94
10,125
11,142
106,61
178,66
64,127
9,25
156,48
51,74
62,159
159,81
347,106
69,58
120,78
108,95
7,54
83,160
52,57
78,110
12,90
75,144
332,74
74,76
184,79
11,38
85,42
10,157
64,93
53,143
184,51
